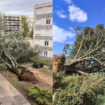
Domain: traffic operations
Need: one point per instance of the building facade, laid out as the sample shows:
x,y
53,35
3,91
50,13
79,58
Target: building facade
x,y
30,21
42,30
13,22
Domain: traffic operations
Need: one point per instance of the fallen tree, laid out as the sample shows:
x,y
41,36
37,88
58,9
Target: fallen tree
x,y
88,51
12,48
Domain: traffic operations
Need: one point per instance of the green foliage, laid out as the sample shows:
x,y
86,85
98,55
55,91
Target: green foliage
x,y
35,64
21,67
45,62
57,77
31,33
3,66
24,27
3,25
41,96
23,59
79,90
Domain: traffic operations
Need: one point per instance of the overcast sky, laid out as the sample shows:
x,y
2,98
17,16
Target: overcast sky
x,y
20,7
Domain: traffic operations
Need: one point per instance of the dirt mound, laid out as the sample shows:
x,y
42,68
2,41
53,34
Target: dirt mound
x,y
58,63
26,75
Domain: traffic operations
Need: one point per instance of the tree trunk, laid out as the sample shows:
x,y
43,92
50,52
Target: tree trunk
x,y
71,67
14,70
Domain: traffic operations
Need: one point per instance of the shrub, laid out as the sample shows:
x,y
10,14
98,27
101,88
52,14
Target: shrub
x,y
41,96
21,67
23,59
79,90
35,64
45,62
41,64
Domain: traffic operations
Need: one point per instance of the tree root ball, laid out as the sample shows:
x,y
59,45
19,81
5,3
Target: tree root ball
x,y
26,75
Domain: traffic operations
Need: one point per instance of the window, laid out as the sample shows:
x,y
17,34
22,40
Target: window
x,y
38,22
47,32
29,24
37,42
49,9
45,53
39,11
30,20
48,21
37,32
46,43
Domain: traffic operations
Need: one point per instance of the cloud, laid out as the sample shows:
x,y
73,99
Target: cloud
x,y
60,35
20,7
72,29
76,14
68,1
60,13
70,42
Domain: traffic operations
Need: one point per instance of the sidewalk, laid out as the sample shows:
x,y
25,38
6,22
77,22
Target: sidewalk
x,y
9,95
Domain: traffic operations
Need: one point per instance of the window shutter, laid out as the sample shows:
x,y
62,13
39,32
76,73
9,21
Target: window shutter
x,y
38,22
46,33
49,9
37,32
39,11
37,42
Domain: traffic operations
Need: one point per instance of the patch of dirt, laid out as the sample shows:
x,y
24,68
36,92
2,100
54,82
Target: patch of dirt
x,y
21,85
44,75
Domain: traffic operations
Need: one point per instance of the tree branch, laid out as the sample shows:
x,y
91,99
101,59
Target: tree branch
x,y
91,51
79,49
9,58
5,62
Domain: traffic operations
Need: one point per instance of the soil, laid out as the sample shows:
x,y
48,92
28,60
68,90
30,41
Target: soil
x,y
43,75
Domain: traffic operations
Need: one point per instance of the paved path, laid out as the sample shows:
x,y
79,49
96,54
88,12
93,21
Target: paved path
x,y
9,95
28,66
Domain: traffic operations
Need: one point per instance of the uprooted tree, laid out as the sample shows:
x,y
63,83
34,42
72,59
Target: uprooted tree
x,y
88,50
12,48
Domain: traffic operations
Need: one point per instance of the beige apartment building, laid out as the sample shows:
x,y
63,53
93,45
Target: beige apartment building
x,y
14,22
42,30
30,21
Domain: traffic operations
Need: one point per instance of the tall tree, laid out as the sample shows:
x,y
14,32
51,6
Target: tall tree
x,y
24,27
3,25
88,49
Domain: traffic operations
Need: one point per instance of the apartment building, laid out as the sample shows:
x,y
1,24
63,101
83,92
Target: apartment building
x,y
30,21
13,22
42,31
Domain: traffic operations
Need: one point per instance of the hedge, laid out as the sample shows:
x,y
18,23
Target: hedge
x,y
40,61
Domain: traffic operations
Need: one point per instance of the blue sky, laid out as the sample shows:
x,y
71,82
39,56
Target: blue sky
x,y
68,14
